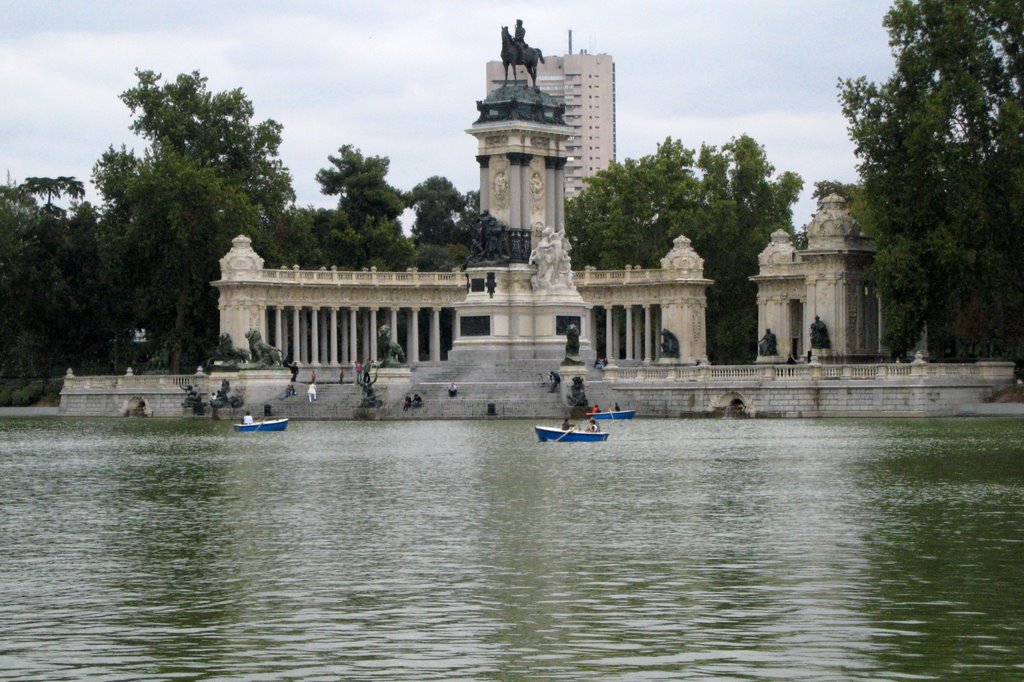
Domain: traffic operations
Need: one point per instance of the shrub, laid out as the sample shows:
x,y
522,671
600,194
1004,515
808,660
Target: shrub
x,y
21,397
5,395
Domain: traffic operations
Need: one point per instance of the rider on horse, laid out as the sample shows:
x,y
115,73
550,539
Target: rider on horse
x,y
520,41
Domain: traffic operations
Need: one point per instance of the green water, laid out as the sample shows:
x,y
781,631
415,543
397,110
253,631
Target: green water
x,y
696,549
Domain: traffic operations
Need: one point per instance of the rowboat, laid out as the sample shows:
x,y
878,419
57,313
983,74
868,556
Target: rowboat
x,y
558,435
620,414
266,425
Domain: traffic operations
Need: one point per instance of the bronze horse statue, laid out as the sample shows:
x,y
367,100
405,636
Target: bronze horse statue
x,y
510,54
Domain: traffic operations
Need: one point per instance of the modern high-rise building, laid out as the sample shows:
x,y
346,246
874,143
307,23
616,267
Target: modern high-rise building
x,y
585,83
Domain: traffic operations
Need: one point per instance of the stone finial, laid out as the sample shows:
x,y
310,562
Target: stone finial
x,y
295,267
240,260
69,374
919,358
199,371
129,372
683,258
779,253
833,220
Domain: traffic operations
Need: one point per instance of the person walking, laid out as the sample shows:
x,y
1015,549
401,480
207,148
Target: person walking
x,y
311,393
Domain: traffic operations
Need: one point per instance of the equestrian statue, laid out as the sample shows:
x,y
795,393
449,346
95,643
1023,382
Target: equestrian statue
x,y
516,52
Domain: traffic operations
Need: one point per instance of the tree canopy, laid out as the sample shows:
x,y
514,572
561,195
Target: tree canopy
x,y
941,149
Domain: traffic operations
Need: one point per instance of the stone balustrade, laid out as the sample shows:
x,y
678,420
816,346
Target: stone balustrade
x,y
1000,371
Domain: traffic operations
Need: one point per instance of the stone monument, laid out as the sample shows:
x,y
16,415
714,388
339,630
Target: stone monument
x,y
521,299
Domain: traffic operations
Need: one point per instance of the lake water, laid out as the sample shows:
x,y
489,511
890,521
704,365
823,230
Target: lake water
x,y
703,549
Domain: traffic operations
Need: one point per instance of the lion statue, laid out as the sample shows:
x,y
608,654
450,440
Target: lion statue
x,y
263,354
226,354
393,354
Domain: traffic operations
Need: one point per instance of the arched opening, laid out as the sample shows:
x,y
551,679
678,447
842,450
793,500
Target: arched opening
x,y
731,404
136,407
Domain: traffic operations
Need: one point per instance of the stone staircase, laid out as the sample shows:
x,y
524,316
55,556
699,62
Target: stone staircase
x,y
504,390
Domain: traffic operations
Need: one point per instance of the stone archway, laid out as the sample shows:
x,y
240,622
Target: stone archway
x,y
137,406
732,404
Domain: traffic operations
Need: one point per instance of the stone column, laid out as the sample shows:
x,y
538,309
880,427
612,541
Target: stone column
x,y
324,345
314,335
296,345
515,190
629,332
414,335
334,335
560,191
524,191
284,336
485,185
550,195
373,334
366,348
278,311
648,355
616,326
353,335
609,312
343,335
304,335
394,324
435,335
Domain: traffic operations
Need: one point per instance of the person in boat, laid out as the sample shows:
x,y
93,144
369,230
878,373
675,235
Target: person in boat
x,y
616,408
597,408
568,425
592,427
247,419
453,390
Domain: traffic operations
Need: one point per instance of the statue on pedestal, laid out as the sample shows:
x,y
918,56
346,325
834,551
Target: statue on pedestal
x,y
263,354
394,356
819,334
551,256
370,398
768,345
516,52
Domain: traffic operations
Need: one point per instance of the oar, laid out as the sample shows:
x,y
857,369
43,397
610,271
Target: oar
x,y
563,435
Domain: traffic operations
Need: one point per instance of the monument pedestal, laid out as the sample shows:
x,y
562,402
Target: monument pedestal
x,y
504,318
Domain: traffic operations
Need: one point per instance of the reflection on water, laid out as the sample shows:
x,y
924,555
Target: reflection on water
x,y
678,549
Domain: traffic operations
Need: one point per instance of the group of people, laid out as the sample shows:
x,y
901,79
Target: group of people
x,y
415,401
591,427
601,363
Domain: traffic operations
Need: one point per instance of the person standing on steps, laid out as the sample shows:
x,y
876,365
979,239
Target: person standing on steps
x,y
311,393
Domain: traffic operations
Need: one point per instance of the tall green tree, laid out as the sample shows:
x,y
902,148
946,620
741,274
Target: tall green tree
x,y
727,200
364,229
209,173
941,145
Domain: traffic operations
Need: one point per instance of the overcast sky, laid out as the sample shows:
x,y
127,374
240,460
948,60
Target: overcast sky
x,y
400,78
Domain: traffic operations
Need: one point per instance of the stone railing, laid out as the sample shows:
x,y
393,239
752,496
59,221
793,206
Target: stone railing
x,y
593,278
363,277
999,371
131,381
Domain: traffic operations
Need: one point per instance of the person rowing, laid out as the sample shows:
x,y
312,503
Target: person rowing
x,y
568,425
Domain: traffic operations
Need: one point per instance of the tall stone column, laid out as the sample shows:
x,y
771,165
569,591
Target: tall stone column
x,y
394,324
366,348
616,328
304,335
550,193
353,334
296,330
515,190
343,335
334,335
435,335
285,332
629,332
314,334
485,185
373,334
560,191
648,355
608,312
278,341
414,335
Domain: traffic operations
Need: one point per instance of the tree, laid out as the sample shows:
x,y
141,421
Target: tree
x,y
439,209
941,145
364,229
209,174
726,201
